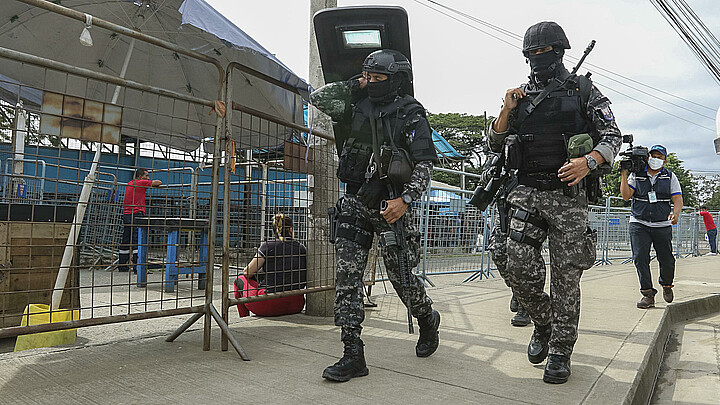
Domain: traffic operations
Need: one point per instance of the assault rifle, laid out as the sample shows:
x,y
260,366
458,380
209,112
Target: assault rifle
x,y
395,239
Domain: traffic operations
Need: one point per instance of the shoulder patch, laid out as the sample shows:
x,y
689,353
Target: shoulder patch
x,y
607,113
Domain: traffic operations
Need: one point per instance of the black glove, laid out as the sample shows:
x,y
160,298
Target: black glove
x,y
372,193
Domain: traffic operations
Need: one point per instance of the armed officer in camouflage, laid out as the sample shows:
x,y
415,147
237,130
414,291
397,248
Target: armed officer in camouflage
x,y
382,137
551,199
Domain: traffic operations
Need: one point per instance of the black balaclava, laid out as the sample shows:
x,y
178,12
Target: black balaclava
x,y
545,65
385,91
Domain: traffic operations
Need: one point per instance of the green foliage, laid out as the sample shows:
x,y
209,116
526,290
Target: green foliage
x,y
713,203
688,182
466,134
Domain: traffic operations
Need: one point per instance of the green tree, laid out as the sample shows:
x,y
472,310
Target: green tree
x,y
466,134
714,202
688,182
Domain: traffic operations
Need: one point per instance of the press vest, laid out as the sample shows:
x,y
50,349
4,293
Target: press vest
x,y
642,208
544,133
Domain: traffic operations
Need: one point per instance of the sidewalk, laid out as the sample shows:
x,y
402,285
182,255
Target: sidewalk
x,y
481,358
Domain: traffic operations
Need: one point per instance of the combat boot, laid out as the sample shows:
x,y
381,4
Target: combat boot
x,y
648,299
514,304
351,365
557,369
429,339
521,318
538,347
668,293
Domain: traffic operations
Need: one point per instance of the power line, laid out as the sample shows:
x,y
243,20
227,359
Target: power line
x,y
693,32
517,37
660,109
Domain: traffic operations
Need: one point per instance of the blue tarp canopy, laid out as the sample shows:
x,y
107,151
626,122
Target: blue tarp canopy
x,y
443,147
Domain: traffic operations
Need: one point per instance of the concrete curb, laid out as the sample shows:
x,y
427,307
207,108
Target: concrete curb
x,y
644,382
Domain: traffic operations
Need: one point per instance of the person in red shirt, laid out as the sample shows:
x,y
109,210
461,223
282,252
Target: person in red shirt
x,y
133,208
711,230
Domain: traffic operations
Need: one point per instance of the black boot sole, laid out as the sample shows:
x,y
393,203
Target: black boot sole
x,y
345,378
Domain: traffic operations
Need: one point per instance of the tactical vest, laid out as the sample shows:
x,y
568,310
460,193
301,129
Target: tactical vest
x,y
544,133
357,149
642,208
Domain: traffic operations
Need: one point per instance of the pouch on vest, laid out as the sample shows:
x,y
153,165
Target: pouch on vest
x,y
513,152
400,167
579,145
353,162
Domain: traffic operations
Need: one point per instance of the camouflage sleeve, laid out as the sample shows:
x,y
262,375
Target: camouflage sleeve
x,y
495,139
333,99
419,179
598,110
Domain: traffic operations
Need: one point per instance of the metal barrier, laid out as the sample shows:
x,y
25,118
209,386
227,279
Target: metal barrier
x,y
18,186
77,113
278,171
451,235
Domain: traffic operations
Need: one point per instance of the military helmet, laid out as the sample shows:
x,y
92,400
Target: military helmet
x,y
387,62
544,34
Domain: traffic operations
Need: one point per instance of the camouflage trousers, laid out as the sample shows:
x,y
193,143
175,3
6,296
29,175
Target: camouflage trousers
x,y
498,253
351,262
571,252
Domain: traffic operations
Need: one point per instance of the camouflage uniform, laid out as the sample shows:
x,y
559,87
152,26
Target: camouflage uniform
x,y
337,100
571,250
498,253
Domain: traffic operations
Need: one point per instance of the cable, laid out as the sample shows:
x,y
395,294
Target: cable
x,y
517,37
660,109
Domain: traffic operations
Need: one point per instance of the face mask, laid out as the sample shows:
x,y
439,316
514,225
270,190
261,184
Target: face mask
x,y
655,163
543,65
384,91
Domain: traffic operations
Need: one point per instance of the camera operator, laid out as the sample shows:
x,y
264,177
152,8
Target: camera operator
x,y
651,220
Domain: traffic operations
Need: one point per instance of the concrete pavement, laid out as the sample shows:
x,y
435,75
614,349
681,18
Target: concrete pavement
x,y
481,358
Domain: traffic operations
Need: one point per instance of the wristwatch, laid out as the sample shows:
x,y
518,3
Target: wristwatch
x,y
591,162
406,198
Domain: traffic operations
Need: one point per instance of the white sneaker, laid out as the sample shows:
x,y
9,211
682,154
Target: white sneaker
x,y
711,254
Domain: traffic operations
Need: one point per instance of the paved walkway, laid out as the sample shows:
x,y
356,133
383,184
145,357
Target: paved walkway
x,y
481,358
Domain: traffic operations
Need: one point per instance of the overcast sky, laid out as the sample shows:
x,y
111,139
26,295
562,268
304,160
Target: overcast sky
x,y
461,69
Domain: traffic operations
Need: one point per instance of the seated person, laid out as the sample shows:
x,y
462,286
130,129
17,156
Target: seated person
x,y
279,265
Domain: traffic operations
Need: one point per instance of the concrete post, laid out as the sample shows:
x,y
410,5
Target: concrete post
x,y
322,191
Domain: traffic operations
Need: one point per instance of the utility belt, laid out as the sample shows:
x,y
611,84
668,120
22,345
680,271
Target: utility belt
x,y
550,181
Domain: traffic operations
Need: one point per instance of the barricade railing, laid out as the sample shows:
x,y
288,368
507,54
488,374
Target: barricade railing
x,y
75,113
450,239
279,168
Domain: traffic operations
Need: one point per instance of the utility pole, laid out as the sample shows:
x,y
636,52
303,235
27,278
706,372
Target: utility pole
x,y
323,190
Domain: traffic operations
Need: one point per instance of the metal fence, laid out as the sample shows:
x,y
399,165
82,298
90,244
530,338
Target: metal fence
x,y
79,136
454,234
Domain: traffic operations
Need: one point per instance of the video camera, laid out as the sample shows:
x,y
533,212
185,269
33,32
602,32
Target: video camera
x,y
635,158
